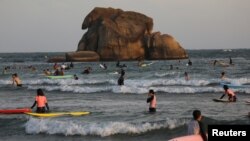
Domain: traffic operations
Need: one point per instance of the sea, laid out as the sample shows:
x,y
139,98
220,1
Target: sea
x,y
120,113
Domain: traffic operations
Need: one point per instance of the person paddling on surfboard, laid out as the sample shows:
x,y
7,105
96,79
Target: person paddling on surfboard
x,y
152,100
196,127
41,102
230,93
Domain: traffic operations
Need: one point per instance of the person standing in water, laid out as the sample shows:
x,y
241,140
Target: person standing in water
x,y
186,76
152,101
223,77
121,78
17,80
196,127
230,61
41,102
230,93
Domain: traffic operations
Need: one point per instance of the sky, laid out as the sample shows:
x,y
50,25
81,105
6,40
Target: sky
x,y
55,25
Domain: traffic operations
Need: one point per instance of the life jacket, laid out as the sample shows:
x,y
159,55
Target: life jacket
x,y
41,101
153,102
230,92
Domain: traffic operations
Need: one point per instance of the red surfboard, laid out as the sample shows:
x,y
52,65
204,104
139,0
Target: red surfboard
x,y
15,111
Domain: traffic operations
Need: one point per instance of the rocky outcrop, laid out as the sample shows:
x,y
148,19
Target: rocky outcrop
x,y
82,56
114,34
164,47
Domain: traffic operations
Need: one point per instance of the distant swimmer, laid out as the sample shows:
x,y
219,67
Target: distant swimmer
x,y
152,101
41,102
171,67
87,70
47,72
118,65
61,73
196,126
75,77
215,61
55,66
189,62
230,61
17,80
71,65
186,76
230,93
223,77
5,70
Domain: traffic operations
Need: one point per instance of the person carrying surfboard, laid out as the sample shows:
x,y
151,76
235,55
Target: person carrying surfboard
x,y
230,93
41,102
196,127
152,100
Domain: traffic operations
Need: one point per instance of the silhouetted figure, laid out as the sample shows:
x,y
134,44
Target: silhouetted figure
x,y
189,62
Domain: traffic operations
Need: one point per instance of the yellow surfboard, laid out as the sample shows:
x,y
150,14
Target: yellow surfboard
x,y
57,114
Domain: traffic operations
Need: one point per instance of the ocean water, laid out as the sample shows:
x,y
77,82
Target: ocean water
x,y
120,113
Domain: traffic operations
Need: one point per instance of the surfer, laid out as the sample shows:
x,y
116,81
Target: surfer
x,y
230,93
41,102
152,100
196,126
17,80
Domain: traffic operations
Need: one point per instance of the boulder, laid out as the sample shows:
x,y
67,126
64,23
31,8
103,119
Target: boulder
x,y
82,56
164,47
57,59
114,34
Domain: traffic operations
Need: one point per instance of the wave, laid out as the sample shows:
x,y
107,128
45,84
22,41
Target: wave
x,y
131,82
135,89
67,128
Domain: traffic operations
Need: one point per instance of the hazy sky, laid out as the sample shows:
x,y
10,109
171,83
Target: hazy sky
x,y
55,25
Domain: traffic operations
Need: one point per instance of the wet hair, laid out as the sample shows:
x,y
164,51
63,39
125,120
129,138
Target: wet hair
x,y
196,114
40,92
223,73
15,74
151,91
225,87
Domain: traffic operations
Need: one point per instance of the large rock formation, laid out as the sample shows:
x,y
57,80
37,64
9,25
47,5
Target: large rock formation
x,y
115,34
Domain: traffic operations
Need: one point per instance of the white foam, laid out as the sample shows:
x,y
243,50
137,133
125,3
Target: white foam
x,y
53,126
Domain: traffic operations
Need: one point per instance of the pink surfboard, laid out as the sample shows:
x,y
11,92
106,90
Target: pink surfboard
x,y
188,138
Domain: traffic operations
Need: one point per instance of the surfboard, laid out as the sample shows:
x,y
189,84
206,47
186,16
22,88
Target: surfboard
x,y
59,76
101,65
114,72
15,111
188,138
57,114
145,65
220,100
